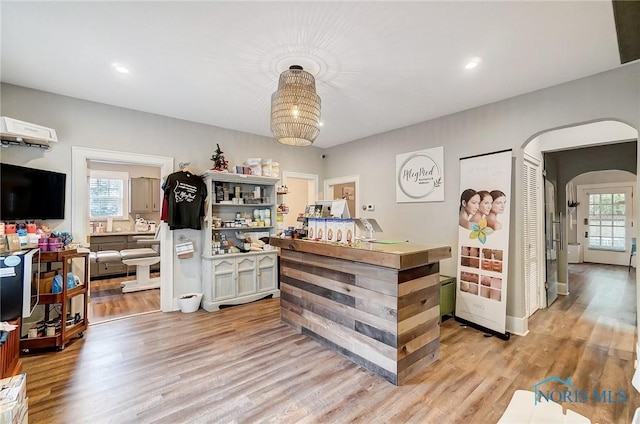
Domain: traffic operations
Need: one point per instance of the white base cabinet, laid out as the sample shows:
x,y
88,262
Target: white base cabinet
x,y
234,279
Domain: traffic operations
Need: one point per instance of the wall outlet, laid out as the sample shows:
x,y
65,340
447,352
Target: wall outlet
x,y
371,207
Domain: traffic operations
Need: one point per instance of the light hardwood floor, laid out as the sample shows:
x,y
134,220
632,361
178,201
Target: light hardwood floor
x,y
242,365
107,302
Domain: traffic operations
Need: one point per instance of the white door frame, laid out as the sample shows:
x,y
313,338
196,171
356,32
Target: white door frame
x,y
313,192
330,182
604,256
80,202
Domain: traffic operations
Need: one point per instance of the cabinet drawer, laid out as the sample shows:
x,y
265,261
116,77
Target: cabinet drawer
x,y
109,268
121,245
108,239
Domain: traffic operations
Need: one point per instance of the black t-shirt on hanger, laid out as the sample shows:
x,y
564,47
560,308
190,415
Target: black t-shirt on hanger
x,y
186,194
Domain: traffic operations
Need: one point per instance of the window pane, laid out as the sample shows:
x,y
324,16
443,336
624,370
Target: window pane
x,y
607,221
106,197
618,243
619,232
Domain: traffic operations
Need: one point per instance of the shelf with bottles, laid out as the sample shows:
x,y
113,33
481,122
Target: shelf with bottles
x,y
239,189
263,228
239,203
282,190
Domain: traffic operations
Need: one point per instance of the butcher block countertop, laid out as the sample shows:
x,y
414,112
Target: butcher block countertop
x,y
399,256
124,233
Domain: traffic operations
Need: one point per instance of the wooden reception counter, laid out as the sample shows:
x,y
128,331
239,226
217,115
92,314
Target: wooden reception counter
x,y
377,304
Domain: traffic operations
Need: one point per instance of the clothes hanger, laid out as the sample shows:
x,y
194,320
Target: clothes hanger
x,y
184,167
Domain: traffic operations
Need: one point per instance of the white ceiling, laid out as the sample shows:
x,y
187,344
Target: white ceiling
x,y
382,65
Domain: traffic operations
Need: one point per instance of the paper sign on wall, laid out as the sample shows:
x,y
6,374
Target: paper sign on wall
x,y
420,176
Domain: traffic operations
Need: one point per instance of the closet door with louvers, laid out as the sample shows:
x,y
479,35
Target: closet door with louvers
x,y
532,229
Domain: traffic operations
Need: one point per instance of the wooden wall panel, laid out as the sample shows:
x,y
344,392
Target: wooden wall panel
x,y
384,319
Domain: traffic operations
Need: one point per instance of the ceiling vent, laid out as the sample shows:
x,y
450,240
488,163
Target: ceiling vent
x,y
19,133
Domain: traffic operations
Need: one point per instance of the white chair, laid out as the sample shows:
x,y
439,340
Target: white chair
x,y
142,259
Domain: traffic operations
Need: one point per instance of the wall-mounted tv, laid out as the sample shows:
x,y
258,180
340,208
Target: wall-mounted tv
x,y
28,193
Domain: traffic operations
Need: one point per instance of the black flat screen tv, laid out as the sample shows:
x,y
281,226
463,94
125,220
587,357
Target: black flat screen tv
x,y
28,193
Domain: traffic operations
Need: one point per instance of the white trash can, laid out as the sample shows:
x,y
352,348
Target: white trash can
x,y
574,253
190,302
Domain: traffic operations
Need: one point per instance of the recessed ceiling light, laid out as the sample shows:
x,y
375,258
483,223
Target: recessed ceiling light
x,y
472,64
118,67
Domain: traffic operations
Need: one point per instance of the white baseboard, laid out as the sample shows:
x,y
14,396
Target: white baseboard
x,y
563,288
517,326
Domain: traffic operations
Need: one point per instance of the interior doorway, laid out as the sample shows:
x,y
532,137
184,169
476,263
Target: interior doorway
x,y
570,151
344,188
302,191
80,156
603,217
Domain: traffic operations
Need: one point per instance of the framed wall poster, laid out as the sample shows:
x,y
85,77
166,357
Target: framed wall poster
x,y
420,176
348,193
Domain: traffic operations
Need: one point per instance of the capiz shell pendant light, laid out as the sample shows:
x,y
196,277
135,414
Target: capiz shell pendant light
x,y
295,108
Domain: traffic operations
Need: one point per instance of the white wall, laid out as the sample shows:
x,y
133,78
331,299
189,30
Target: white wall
x,y
507,124
99,126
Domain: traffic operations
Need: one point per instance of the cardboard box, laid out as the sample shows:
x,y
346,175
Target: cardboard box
x,y
332,230
341,235
321,229
46,285
311,228
349,231
13,400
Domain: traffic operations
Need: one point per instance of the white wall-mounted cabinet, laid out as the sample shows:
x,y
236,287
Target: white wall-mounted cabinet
x,y
144,195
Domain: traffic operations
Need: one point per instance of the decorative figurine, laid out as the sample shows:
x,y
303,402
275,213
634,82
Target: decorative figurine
x,y
219,163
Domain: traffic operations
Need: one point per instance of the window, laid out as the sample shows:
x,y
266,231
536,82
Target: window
x,y
108,192
607,221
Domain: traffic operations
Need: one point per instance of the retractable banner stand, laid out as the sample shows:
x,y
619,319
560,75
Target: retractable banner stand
x,y
483,241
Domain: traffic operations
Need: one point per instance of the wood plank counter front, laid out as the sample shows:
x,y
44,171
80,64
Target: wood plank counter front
x,y
377,304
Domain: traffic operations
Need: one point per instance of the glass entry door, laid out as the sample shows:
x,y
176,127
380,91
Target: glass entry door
x,y
553,241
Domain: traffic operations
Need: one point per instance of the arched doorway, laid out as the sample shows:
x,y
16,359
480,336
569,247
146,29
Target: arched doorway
x,y
566,153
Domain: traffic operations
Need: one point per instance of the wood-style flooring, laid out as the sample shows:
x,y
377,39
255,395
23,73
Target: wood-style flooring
x,y
107,302
242,365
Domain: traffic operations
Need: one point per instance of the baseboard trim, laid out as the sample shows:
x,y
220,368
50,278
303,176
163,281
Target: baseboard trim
x,y
517,326
563,288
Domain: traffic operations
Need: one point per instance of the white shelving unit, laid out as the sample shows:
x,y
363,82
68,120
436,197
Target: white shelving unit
x,y
236,278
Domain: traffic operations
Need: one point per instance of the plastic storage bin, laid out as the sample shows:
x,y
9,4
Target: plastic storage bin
x,y
447,295
190,302
574,253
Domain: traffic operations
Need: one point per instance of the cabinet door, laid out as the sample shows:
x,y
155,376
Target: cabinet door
x,y
223,271
139,195
266,272
155,195
246,278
